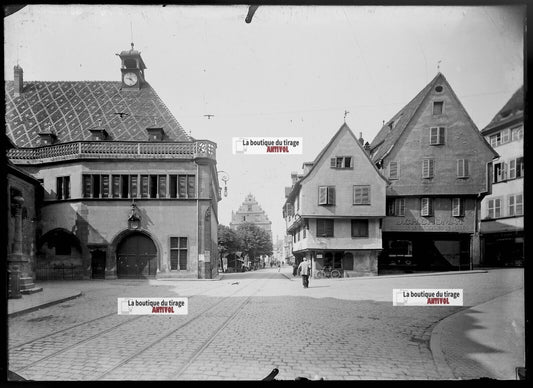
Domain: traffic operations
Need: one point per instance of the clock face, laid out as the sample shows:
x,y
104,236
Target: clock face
x,y
130,79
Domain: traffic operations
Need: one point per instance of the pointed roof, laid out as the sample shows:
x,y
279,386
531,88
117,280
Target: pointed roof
x,y
393,129
512,111
344,128
390,133
70,108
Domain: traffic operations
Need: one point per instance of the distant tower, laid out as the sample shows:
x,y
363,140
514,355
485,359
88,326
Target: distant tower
x,y
251,212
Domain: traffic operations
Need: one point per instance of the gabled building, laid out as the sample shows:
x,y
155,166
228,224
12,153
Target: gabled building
x,y
127,192
502,212
251,212
438,164
334,210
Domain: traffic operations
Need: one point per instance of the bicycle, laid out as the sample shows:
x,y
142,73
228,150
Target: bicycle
x,y
328,272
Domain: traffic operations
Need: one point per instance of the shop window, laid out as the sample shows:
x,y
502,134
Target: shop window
x,y
178,253
326,195
400,248
324,228
359,228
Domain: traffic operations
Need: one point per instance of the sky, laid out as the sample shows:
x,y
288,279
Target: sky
x,y
292,72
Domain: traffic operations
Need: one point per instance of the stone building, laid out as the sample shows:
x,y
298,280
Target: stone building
x,y
334,210
437,163
250,211
502,211
127,192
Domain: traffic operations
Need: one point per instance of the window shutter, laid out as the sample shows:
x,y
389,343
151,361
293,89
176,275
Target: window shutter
x,y
365,195
466,169
393,170
333,162
456,207
512,169
425,168
329,228
400,206
459,167
511,205
331,195
441,135
430,207
433,135
519,209
431,167
322,195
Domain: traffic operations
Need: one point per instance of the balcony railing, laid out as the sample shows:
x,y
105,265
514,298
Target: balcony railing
x,y
113,150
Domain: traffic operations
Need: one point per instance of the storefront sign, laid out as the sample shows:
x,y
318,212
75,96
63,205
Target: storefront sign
x,y
443,224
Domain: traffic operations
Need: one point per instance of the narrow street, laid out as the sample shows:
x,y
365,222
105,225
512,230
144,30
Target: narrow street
x,y
243,326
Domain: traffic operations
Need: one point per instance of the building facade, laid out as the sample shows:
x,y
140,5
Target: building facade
x,y
437,164
334,210
127,192
251,212
502,212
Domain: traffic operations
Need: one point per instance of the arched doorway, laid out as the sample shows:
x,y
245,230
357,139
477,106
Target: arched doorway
x,y
136,257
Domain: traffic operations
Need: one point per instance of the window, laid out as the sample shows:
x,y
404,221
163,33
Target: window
x,y
326,195
516,207
436,135
341,162
396,207
506,135
178,253
457,207
324,228
516,168
63,187
134,185
428,167
394,170
361,195
306,227
495,140
438,107
462,168
162,186
494,208
359,228
116,186
516,133
426,207
500,172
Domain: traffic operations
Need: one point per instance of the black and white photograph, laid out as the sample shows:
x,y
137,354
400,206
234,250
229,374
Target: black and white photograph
x,y
251,192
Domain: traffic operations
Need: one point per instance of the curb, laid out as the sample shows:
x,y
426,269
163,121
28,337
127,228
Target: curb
x,y
436,350
43,305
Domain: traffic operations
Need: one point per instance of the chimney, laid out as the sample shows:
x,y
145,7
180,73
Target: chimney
x,y
307,167
367,147
361,140
18,80
294,177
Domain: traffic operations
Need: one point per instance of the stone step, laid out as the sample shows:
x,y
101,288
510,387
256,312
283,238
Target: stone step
x,y
31,290
26,280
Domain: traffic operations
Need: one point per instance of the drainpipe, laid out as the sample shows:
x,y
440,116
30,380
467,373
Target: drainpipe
x,y
198,218
476,231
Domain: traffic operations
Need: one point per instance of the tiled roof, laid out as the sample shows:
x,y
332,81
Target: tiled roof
x,y
512,110
70,109
393,129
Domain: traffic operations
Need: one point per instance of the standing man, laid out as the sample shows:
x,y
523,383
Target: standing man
x,y
304,269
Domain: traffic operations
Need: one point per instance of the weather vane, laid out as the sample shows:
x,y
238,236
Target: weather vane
x,y
345,114
438,65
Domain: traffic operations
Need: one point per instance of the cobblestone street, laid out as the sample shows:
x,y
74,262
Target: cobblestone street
x,y
243,326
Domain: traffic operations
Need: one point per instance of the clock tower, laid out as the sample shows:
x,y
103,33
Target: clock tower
x,y
132,69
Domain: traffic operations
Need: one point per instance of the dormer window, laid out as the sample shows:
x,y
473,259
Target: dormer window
x,y
98,134
47,138
155,134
